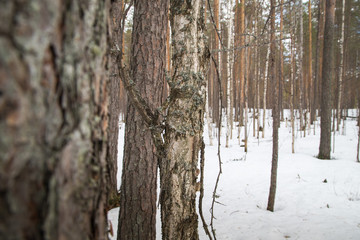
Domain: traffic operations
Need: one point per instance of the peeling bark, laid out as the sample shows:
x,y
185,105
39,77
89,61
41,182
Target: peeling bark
x,y
184,122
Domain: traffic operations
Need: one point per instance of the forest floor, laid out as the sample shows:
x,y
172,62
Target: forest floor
x,y
315,199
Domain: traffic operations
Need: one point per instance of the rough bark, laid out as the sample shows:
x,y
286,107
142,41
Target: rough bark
x,y
327,72
184,122
276,116
147,67
54,120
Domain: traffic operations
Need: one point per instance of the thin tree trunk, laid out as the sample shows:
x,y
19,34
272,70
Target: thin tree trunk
x,y
183,131
310,81
257,67
281,72
255,106
208,119
300,64
54,120
116,41
246,79
319,54
236,68
216,46
276,116
327,70
292,80
229,77
165,91
137,218
265,88
242,64
341,68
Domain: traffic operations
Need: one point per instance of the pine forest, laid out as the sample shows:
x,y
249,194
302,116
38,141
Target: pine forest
x,y
179,120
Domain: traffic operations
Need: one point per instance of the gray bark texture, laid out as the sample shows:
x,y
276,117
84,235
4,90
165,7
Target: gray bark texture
x,y
184,123
137,216
327,74
54,119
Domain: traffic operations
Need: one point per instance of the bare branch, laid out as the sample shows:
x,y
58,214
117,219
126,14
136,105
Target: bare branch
x,y
139,103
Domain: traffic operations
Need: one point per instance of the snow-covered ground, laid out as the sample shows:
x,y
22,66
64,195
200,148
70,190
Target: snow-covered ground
x,y
315,199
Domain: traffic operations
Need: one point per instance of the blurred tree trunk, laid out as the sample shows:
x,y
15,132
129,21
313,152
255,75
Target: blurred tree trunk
x,y
54,120
137,216
116,42
327,71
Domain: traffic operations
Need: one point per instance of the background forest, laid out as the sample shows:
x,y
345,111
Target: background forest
x,y
196,119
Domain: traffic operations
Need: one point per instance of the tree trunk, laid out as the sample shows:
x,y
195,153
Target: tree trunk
x,y
246,87
216,68
54,120
265,88
292,81
229,106
257,67
242,64
168,63
139,177
276,116
341,68
256,74
310,78
327,71
236,68
116,42
318,61
300,64
281,70
184,122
